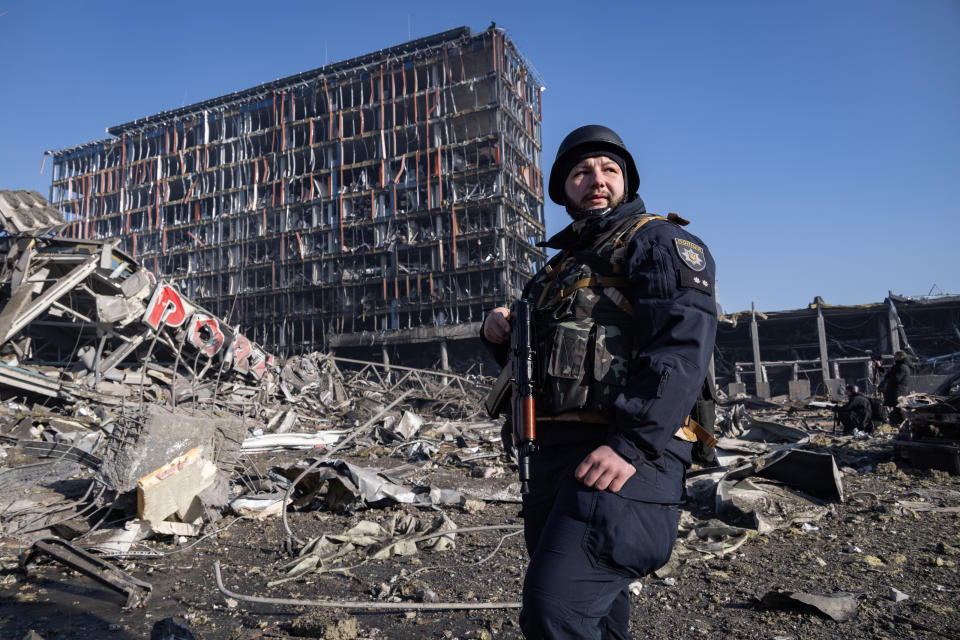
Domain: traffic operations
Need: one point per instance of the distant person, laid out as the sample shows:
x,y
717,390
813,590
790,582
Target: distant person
x,y
877,373
895,384
856,414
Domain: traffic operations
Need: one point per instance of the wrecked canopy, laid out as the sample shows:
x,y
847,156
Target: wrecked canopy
x,y
99,317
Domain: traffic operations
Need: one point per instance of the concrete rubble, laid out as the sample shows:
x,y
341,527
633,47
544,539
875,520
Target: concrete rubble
x,y
930,435
134,425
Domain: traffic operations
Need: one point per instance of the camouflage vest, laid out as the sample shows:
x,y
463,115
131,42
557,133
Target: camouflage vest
x,y
584,323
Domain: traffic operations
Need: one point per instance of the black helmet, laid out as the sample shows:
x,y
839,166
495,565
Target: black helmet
x,y
593,137
852,388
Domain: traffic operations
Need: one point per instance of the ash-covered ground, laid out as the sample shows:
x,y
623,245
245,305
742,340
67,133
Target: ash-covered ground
x,y
888,554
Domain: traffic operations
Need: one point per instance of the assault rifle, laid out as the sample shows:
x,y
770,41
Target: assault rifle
x,y
524,419
518,379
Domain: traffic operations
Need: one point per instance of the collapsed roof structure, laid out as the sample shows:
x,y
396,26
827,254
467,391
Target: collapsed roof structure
x,y
821,348
76,310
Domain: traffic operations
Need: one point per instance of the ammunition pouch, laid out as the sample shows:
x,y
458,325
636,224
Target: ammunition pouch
x,y
585,367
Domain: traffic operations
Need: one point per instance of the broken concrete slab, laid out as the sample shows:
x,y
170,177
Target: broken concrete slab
x,y
43,473
162,434
173,488
27,213
897,596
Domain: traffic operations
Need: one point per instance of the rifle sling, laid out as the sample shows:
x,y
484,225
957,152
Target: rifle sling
x,y
691,431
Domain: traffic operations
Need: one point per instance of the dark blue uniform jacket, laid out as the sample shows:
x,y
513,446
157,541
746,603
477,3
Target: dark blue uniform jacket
x,y
673,301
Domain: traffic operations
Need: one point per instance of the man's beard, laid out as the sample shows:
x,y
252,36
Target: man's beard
x,y
579,212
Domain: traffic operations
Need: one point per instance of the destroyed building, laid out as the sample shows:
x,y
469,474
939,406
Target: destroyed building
x,y
823,347
156,456
388,199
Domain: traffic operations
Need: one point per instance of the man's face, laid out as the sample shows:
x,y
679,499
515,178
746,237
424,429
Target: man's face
x,y
594,183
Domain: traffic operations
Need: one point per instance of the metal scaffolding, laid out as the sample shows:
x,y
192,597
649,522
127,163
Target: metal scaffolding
x,y
397,193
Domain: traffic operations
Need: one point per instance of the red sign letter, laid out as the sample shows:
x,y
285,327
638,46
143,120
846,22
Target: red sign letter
x,y
165,306
205,334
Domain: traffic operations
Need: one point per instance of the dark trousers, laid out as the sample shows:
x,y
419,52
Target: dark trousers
x,y
586,547
851,421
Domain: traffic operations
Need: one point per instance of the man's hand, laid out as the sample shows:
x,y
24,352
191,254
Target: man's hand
x,y
496,327
604,469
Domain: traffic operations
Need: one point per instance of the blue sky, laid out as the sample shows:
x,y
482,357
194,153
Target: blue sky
x,y
814,145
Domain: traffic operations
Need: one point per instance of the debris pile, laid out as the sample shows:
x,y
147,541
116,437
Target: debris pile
x,y
83,321
151,448
930,435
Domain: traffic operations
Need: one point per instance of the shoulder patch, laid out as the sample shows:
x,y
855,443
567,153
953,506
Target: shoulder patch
x,y
691,254
690,280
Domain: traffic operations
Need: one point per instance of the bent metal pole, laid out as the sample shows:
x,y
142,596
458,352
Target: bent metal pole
x,y
370,606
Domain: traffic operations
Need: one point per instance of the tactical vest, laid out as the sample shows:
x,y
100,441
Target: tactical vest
x,y
585,327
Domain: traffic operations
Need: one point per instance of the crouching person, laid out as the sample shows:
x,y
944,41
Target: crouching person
x,y
857,413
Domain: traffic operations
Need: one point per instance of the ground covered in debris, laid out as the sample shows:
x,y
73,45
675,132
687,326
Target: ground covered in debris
x,y
893,544
163,476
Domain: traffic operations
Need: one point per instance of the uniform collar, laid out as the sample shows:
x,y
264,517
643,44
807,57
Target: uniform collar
x,y
579,232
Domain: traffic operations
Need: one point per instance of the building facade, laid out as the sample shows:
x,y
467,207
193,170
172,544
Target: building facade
x,y
392,197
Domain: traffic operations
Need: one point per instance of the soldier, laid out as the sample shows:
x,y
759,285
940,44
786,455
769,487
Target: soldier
x,y
625,322
896,383
856,414
877,373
